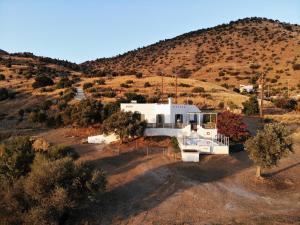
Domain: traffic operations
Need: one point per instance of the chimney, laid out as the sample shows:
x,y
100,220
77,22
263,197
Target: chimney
x,y
170,101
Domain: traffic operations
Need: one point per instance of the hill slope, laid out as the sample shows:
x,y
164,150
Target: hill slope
x,y
233,53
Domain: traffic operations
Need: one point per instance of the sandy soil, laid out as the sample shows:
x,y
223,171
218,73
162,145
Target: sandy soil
x,y
157,189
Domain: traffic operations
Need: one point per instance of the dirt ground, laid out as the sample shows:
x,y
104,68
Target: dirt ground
x,y
156,189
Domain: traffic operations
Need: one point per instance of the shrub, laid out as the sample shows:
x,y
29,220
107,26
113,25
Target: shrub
x,y
64,82
130,96
232,125
175,145
124,85
184,85
296,66
269,146
37,117
225,85
138,75
198,90
3,94
87,85
153,99
254,66
184,73
251,107
221,105
109,94
221,74
129,82
61,151
42,81
46,104
68,94
100,81
285,103
147,84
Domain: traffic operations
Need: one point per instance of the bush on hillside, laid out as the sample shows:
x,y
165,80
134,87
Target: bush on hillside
x,y
184,73
64,82
138,75
132,96
87,85
100,81
2,77
42,81
198,90
296,66
3,94
147,84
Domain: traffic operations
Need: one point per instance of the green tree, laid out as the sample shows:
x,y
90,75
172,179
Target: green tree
x,y
87,112
16,155
269,146
48,185
251,107
124,124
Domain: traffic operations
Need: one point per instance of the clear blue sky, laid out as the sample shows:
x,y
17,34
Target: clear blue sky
x,y
84,30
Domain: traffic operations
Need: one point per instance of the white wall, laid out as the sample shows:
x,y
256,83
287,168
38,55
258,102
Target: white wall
x,y
190,156
168,110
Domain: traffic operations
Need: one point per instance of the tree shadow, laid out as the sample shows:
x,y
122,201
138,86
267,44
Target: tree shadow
x,y
149,189
283,169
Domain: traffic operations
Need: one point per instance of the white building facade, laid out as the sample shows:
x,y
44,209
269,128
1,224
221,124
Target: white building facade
x,y
195,131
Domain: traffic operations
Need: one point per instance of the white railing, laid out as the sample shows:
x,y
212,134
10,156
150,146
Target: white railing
x,y
167,125
222,139
219,139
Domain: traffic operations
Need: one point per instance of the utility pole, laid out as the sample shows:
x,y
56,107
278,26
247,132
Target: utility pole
x,y
162,87
288,86
176,89
262,95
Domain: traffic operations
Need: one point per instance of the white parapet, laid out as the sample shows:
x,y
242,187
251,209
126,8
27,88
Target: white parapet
x,y
102,139
187,156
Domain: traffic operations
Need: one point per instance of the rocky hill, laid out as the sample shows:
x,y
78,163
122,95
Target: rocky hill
x,y
234,53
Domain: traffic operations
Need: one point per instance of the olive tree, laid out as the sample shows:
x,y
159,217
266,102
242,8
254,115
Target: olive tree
x,y
269,146
44,186
124,124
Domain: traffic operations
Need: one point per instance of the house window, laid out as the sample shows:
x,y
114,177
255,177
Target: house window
x,y
209,120
160,119
178,118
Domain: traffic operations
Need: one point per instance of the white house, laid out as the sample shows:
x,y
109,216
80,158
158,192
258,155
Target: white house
x,y
196,131
247,88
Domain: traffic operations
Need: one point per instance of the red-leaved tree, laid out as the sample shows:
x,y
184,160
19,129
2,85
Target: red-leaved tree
x,y
232,125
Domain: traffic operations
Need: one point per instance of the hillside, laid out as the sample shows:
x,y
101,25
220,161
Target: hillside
x,y
233,53
210,64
